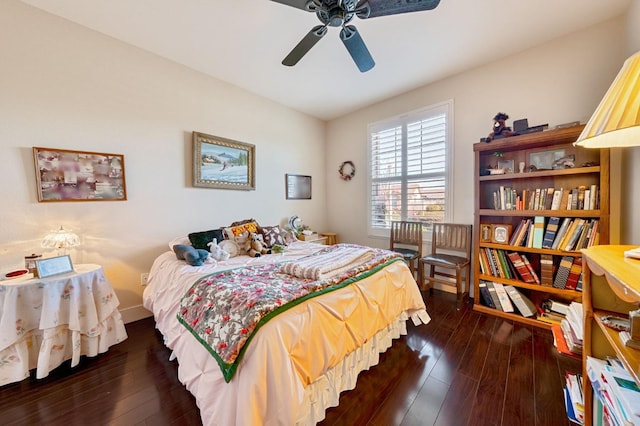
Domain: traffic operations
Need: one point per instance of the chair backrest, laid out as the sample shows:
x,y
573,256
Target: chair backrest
x,y
406,233
451,237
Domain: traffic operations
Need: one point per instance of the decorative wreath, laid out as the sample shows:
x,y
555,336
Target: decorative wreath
x,y
349,172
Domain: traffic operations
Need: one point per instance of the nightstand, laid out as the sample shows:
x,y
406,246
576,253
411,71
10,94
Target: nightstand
x,y
51,320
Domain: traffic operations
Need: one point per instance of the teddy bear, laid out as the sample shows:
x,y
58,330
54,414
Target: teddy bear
x,y
192,255
258,246
217,252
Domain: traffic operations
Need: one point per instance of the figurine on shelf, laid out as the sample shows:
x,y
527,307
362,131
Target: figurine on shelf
x,y
500,129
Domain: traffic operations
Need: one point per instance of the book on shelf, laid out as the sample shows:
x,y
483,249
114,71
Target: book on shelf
x,y
494,295
505,302
551,305
546,269
560,281
521,268
581,195
562,230
532,271
557,199
522,302
570,337
550,232
574,274
538,232
574,234
560,343
486,296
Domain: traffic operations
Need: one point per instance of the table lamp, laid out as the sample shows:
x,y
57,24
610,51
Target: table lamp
x,y
616,121
61,239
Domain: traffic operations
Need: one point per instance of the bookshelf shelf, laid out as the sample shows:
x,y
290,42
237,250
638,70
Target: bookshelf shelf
x,y
611,286
512,198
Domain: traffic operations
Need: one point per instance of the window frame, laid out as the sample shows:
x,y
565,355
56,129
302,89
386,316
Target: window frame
x,y
445,107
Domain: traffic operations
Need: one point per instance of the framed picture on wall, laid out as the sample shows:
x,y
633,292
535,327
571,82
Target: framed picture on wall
x,y
298,187
222,163
65,175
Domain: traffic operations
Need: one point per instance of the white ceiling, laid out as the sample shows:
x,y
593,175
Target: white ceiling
x,y
243,42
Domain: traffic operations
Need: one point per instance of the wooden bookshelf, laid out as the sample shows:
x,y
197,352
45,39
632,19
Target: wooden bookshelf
x,y
610,286
591,168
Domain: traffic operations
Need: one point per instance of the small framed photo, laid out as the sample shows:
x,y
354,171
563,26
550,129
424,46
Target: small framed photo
x,y
485,233
53,266
298,187
500,234
506,165
222,163
544,160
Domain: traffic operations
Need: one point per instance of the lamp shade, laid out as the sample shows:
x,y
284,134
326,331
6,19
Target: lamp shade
x,y
60,239
616,121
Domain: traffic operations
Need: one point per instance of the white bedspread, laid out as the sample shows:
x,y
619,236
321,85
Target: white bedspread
x,y
299,362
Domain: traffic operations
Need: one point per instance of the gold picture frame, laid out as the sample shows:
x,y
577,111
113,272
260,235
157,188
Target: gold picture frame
x,y
66,175
222,163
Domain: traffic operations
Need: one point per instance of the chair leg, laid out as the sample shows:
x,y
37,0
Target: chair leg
x,y
432,270
458,290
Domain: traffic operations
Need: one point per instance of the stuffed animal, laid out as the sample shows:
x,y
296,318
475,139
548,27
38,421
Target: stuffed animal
x,y
192,255
500,128
244,243
217,252
258,247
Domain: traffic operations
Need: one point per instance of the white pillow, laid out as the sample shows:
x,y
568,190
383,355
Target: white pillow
x,y
179,240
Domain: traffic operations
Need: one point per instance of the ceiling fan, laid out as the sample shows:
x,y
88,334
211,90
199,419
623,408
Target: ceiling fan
x,y
338,13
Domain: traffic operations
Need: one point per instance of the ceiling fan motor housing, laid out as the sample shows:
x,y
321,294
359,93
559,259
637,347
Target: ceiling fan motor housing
x,y
336,13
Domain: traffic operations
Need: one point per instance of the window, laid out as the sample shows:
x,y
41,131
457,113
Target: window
x,y
409,168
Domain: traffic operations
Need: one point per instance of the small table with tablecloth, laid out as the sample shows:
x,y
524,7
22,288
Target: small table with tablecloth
x,y
46,321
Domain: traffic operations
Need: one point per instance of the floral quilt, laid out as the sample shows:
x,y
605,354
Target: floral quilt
x,y
224,310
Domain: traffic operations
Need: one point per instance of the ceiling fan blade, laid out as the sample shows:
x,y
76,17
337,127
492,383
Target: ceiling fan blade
x,y
305,45
374,8
308,5
356,47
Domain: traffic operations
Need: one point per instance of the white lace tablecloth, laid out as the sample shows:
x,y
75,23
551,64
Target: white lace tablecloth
x,y
44,322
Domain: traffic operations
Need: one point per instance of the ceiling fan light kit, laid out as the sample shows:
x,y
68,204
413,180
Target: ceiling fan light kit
x,y
338,13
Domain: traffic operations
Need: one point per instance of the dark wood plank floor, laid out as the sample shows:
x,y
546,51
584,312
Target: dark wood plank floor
x,y
464,368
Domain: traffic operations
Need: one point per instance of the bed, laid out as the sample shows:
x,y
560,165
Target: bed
x,y
299,361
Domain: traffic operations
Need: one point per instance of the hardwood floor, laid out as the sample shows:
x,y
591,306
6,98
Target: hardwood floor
x,y
464,368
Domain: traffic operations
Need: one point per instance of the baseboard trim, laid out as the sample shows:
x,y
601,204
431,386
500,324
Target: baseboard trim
x,y
134,313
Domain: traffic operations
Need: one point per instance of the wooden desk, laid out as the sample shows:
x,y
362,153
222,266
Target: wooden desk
x,y
44,322
611,283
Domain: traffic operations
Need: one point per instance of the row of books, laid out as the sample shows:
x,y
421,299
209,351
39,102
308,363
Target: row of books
x,y
517,266
506,298
568,234
578,198
617,393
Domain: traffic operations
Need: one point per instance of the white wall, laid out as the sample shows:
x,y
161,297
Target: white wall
x,y
555,83
631,159
63,86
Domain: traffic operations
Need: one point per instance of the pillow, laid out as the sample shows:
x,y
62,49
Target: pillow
x,y
191,255
179,240
271,235
242,222
234,231
200,239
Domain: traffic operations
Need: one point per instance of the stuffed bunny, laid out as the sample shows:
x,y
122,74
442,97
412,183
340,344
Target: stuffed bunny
x,y
217,252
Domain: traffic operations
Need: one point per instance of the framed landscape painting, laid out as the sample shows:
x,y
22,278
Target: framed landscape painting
x,y
65,175
222,163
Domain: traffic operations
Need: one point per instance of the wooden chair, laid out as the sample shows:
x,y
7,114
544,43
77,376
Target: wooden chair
x,y
450,250
406,239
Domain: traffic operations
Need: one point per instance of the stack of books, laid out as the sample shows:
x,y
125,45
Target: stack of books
x,y
573,398
506,298
568,335
617,393
552,312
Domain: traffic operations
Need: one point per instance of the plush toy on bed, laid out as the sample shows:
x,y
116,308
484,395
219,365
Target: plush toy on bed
x,y
258,247
192,255
217,252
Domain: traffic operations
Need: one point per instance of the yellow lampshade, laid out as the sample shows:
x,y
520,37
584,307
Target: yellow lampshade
x,y
616,121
